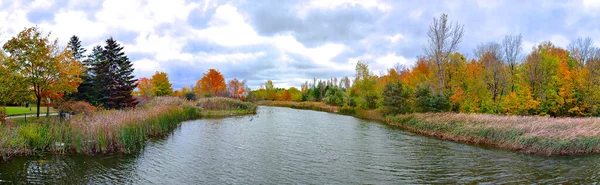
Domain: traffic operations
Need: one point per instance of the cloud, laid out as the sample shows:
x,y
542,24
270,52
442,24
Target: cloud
x,y
290,42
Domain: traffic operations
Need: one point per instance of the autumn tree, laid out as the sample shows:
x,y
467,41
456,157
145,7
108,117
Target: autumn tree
x,y
444,38
160,84
212,83
236,88
286,95
43,65
144,87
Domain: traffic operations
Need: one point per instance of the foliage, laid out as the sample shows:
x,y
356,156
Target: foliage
x,y
45,68
160,85
397,99
335,96
191,96
144,88
211,84
77,107
113,77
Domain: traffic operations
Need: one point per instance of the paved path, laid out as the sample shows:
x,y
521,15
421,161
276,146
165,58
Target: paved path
x,y
32,115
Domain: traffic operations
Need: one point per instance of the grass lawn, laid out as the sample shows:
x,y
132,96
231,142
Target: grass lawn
x,y
22,110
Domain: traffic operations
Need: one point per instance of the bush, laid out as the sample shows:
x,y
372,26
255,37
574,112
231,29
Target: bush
x,y
335,96
77,107
190,96
2,115
396,99
426,102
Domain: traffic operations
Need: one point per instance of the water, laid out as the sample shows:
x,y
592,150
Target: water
x,y
284,146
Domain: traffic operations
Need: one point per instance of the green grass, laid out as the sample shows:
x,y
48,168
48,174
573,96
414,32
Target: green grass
x,y
22,110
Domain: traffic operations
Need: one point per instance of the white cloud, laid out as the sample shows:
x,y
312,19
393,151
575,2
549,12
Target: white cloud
x,y
229,28
395,38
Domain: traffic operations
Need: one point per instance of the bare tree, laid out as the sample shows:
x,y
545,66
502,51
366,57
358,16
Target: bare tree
x,y
495,74
512,46
443,40
581,50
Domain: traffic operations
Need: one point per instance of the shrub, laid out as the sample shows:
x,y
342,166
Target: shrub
x,y
335,96
77,107
396,99
190,96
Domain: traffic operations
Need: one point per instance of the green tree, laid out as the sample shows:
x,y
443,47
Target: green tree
x,y
365,87
114,77
397,99
335,96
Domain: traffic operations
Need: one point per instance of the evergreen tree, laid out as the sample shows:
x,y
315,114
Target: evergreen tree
x,y
114,77
78,53
98,80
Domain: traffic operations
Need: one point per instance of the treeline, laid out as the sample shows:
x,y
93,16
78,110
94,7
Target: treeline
x,y
210,85
34,67
499,79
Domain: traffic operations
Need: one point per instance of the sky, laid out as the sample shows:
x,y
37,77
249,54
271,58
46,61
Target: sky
x,y
290,42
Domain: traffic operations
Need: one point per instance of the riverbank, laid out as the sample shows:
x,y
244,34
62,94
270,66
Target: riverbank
x,y
527,134
112,131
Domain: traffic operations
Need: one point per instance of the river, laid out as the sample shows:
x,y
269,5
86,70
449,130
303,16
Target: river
x,y
285,146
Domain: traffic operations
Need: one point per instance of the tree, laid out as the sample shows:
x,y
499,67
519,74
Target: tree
x,y
364,87
12,84
270,90
443,40
160,84
95,74
296,94
43,65
286,95
335,96
512,48
78,52
581,50
212,83
114,77
144,87
237,89
397,99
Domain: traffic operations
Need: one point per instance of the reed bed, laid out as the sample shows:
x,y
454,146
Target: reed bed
x,y
527,134
218,107
110,131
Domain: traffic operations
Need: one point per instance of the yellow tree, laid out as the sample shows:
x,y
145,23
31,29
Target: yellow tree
x,y
212,83
160,84
43,65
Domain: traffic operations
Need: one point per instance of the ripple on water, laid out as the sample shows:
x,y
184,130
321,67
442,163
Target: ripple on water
x,y
286,146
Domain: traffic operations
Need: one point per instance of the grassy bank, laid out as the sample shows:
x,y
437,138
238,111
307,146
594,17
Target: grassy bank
x,y
527,134
121,131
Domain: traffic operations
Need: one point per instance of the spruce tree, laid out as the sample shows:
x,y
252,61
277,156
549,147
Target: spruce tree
x,y
98,81
116,75
78,53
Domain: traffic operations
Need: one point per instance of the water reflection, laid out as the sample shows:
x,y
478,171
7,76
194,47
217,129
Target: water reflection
x,y
280,146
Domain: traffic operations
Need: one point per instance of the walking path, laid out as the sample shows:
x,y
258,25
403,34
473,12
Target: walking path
x,y
31,115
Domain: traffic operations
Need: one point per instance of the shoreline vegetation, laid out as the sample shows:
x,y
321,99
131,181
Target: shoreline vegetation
x,y
112,131
527,134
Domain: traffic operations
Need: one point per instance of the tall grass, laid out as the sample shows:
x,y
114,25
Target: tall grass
x,y
528,134
111,130
218,106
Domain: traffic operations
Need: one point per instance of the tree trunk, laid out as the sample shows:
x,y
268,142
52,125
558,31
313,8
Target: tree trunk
x,y
39,102
441,77
48,110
